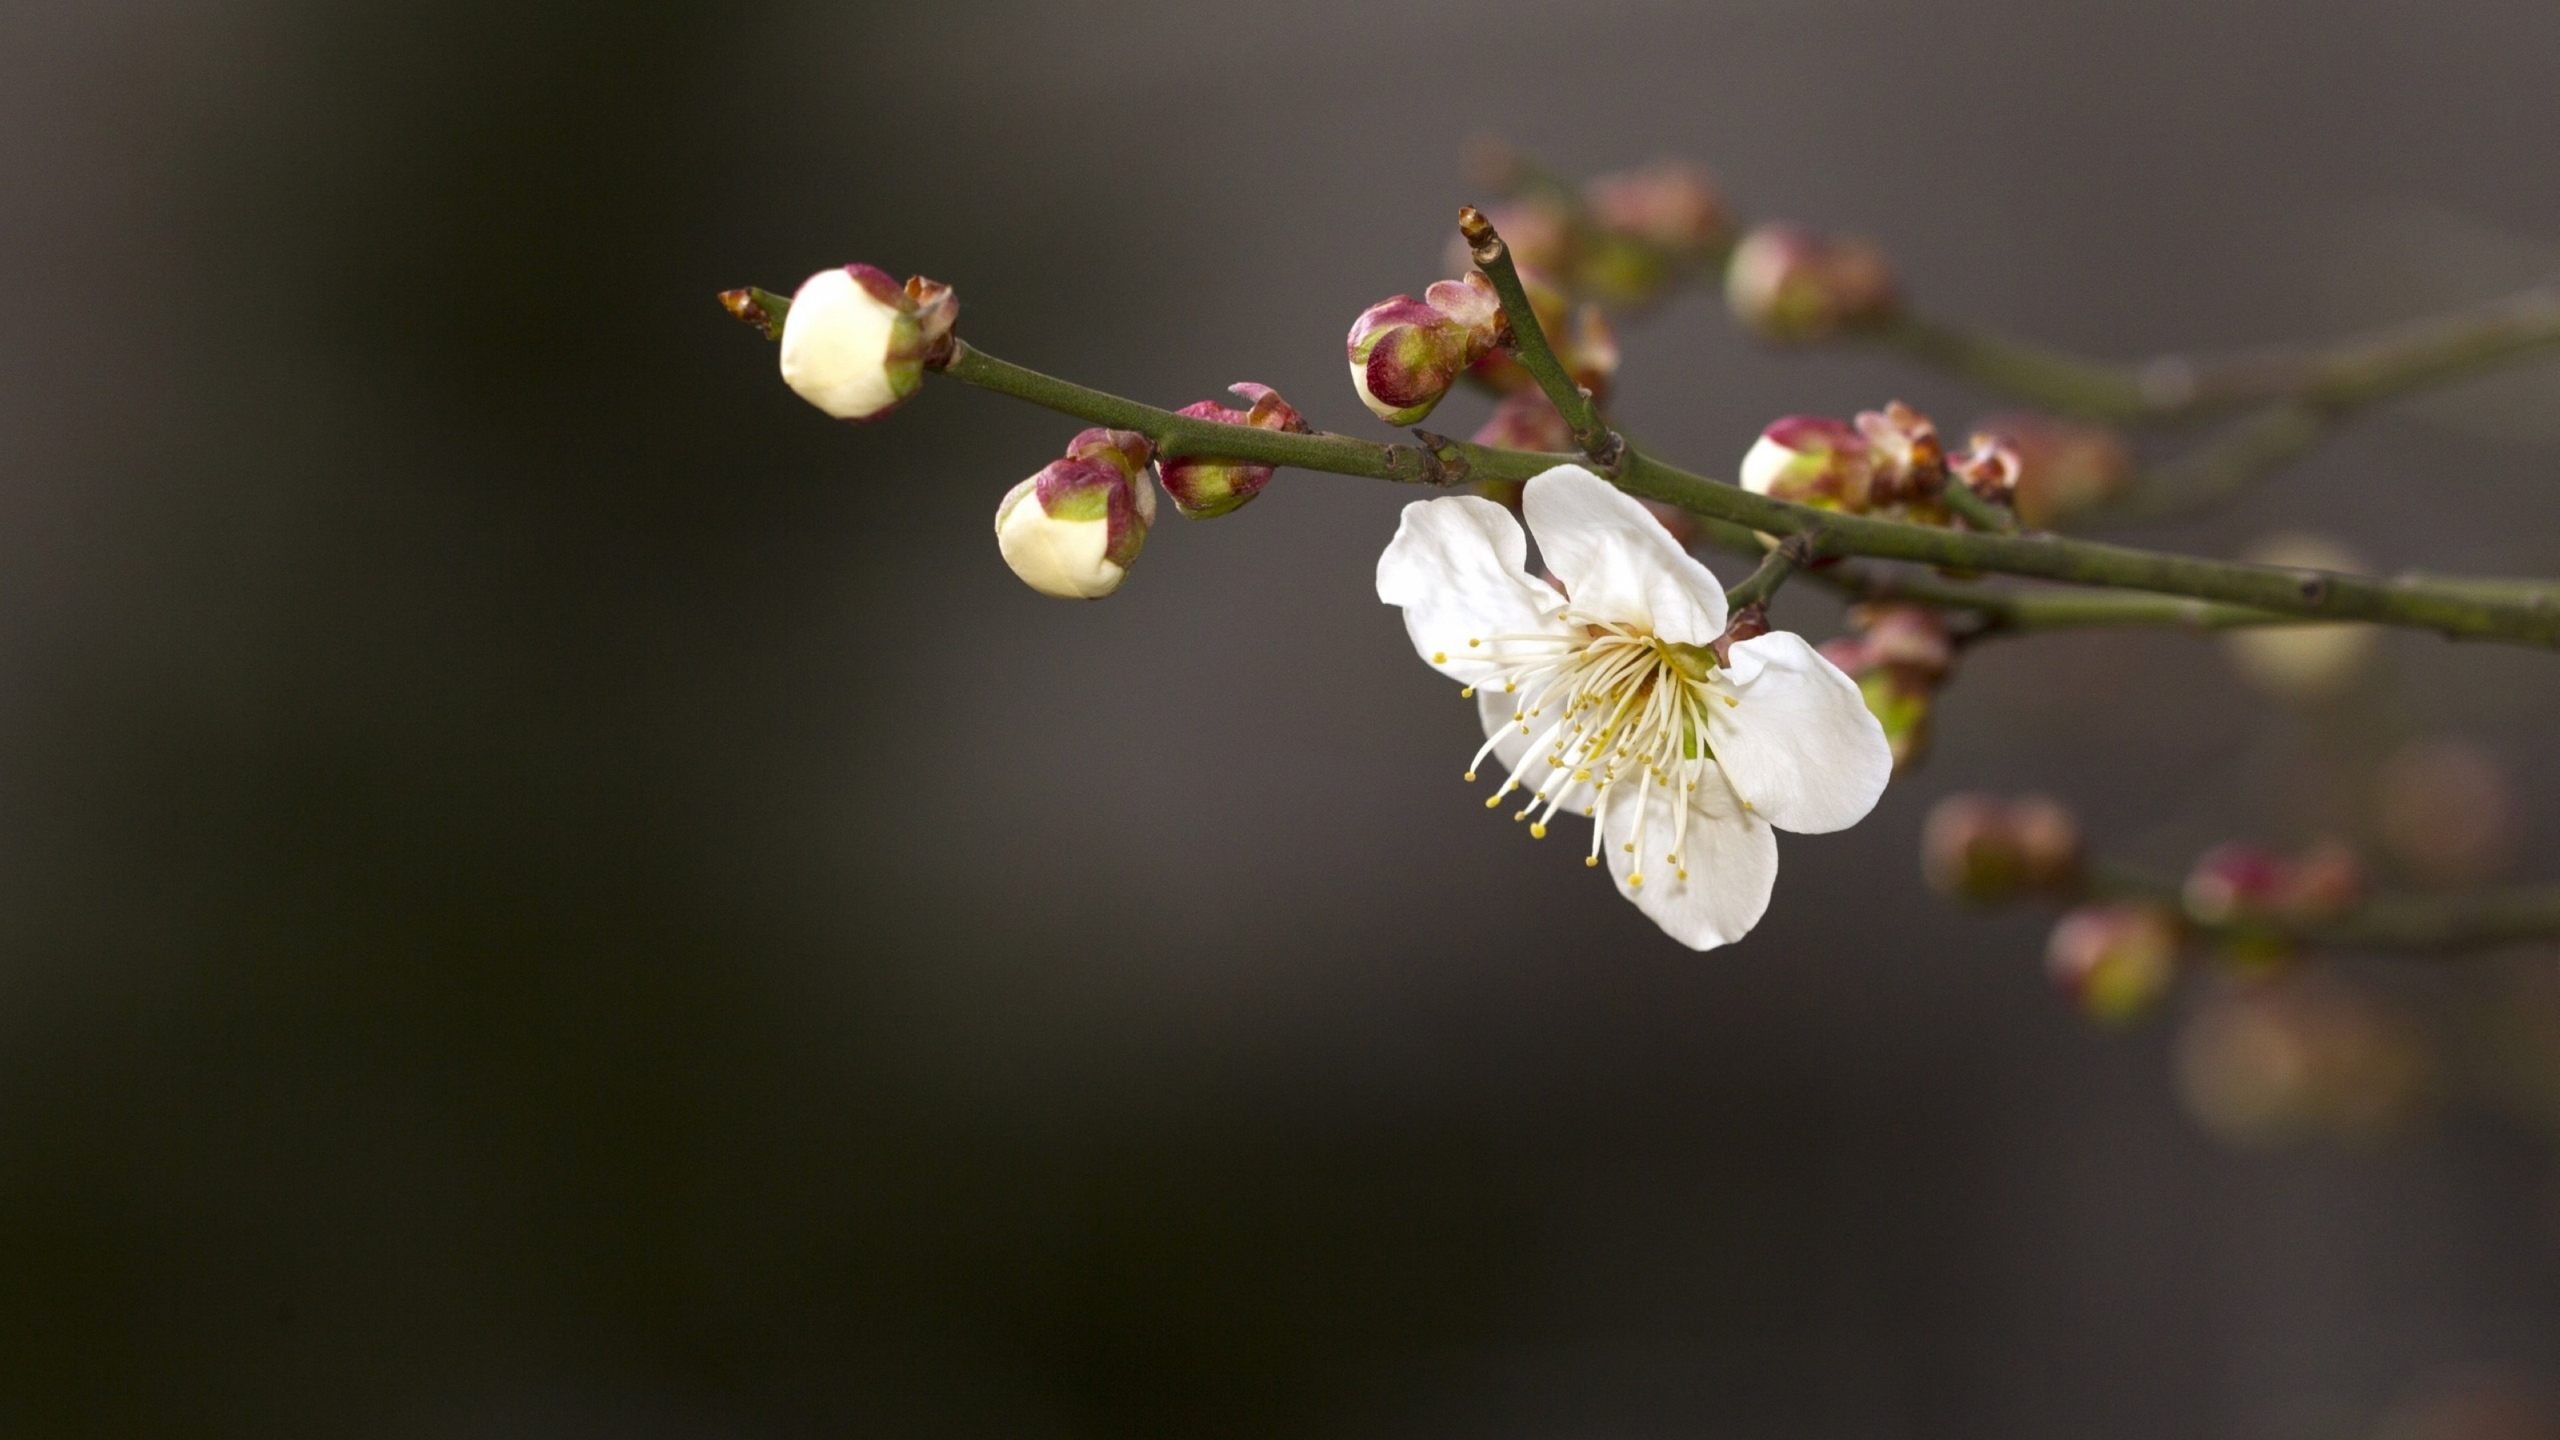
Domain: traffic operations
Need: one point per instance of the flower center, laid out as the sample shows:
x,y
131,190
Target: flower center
x,y
1613,717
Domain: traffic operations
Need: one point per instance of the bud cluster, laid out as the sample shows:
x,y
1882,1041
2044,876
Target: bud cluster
x,y
1986,849
1888,460
1899,655
1789,283
1627,238
2238,884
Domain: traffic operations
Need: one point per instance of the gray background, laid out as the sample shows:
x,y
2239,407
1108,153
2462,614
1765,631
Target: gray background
x,y
547,890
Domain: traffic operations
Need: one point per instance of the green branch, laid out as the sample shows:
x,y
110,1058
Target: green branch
x,y
1760,584
2454,609
2403,921
1530,347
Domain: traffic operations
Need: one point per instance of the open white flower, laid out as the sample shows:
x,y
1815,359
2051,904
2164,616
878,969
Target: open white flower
x,y
1607,700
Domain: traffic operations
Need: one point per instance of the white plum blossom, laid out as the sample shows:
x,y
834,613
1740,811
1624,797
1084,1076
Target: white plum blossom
x,y
852,344
1604,695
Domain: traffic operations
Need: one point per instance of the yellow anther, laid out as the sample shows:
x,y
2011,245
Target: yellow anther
x,y
1684,874
1581,774
1439,657
1473,642
1629,847
1537,832
1590,859
1471,777
1635,880
1467,694
1490,803
1508,687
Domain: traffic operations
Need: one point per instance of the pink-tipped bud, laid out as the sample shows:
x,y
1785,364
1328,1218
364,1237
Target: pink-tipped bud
x,y
1910,461
1203,487
2062,466
1984,849
1989,467
2114,959
1649,228
1526,420
2237,881
1811,460
1899,659
1406,353
1074,529
1790,283
1912,639
855,342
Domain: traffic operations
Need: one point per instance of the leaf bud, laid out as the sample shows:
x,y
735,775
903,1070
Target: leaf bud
x,y
1811,460
2063,467
1202,487
855,342
1789,283
1074,529
2114,959
1406,353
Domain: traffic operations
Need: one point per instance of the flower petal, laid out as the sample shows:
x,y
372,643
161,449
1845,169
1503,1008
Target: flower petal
x,y
1497,709
1459,567
1801,745
1730,856
1616,560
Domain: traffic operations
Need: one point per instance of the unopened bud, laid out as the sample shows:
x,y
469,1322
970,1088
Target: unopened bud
x,y
1202,487
855,342
1984,849
1650,227
1811,460
1790,283
2237,881
2114,959
2447,812
1911,639
1526,420
1406,353
1074,529
1910,461
1908,713
2303,663
2063,467
1989,467
1900,657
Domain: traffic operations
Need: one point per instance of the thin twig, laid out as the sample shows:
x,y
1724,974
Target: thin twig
x,y
1529,345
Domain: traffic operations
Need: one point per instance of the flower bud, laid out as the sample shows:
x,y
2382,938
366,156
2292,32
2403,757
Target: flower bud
x,y
2447,813
1405,353
1912,640
1989,467
1526,420
1200,487
2063,466
855,341
2303,663
1811,460
2236,881
1910,461
1790,283
1074,529
2301,1054
1649,227
1984,849
1907,712
2114,959
1900,657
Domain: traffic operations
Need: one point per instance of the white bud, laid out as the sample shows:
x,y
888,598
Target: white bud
x,y
851,345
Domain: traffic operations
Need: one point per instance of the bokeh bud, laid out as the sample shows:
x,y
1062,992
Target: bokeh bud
x,y
2299,1054
1811,460
1984,849
1202,487
1526,420
2303,663
1899,657
1910,461
2063,466
2447,813
2237,881
1406,353
854,344
1790,283
2114,959
1649,229
1074,529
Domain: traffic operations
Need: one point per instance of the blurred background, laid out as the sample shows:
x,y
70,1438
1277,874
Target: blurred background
x,y
548,890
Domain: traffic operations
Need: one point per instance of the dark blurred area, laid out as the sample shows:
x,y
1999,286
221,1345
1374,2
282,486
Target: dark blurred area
x,y
548,890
